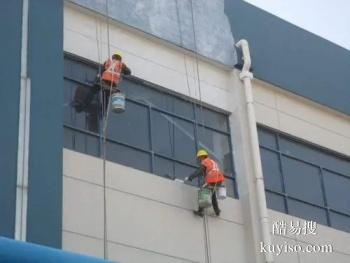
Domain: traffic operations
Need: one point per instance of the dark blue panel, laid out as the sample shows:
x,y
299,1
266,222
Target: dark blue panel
x,y
271,170
339,221
275,202
46,134
10,67
306,211
128,156
267,138
292,58
337,191
302,181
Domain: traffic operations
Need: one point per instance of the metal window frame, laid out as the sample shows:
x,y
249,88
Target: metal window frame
x,y
321,169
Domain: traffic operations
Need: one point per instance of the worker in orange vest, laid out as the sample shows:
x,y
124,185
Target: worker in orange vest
x,y
112,71
213,178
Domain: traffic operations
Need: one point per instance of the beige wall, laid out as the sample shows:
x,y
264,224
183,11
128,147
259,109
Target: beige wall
x,y
149,218
301,117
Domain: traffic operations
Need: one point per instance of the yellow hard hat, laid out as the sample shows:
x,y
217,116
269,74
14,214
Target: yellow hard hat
x,y
117,54
201,153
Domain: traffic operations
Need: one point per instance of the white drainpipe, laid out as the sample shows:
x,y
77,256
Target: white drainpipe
x,y
246,76
23,134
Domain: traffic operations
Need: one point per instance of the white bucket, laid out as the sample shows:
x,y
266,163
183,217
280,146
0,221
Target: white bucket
x,y
118,102
221,192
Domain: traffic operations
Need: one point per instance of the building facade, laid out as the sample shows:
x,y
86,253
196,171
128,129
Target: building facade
x,y
185,93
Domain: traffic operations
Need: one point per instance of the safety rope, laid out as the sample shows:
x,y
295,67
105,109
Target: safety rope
x,y
105,115
205,219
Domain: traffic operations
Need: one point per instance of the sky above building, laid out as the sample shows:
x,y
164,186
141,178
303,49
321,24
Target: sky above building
x,y
325,18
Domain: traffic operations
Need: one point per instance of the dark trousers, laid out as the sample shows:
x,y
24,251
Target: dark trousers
x,y
214,202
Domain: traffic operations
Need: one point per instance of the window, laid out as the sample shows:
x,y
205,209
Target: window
x,y
305,180
159,132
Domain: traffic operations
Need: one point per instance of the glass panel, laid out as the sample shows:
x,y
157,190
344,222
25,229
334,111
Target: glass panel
x,y
164,167
299,150
337,191
130,127
212,119
68,138
163,133
275,202
183,108
340,222
128,156
271,170
185,146
229,183
267,138
335,163
218,146
306,211
147,95
92,145
302,181
181,171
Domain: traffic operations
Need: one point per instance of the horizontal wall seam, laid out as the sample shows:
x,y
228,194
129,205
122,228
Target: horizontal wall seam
x,y
148,198
193,77
296,117
127,245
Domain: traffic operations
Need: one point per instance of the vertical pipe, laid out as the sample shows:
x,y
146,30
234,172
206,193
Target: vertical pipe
x,y
246,76
23,134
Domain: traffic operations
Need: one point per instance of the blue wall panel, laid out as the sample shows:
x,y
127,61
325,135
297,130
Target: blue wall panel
x,y
10,67
45,160
292,58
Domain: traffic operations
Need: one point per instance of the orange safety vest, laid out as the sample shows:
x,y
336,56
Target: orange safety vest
x,y
113,69
212,172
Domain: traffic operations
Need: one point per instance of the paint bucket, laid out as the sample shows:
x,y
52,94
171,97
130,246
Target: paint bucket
x,y
118,102
204,198
221,192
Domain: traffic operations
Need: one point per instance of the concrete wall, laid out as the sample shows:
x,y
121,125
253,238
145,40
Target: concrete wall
x,y
302,118
149,218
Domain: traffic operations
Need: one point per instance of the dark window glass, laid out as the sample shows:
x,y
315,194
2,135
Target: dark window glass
x,y
163,133
302,181
212,119
275,202
306,211
86,143
131,127
181,171
337,191
230,184
267,139
271,170
128,156
68,138
299,150
335,163
185,146
301,165
218,146
164,167
340,222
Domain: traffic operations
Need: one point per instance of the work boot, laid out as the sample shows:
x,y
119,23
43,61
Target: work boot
x,y
218,213
198,213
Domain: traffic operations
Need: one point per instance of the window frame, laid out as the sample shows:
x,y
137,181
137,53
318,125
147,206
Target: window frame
x,y
150,110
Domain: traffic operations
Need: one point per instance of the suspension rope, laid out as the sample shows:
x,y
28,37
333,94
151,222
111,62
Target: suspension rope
x,y
105,115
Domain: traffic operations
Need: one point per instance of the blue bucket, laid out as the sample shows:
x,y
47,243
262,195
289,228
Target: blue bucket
x,y
118,102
